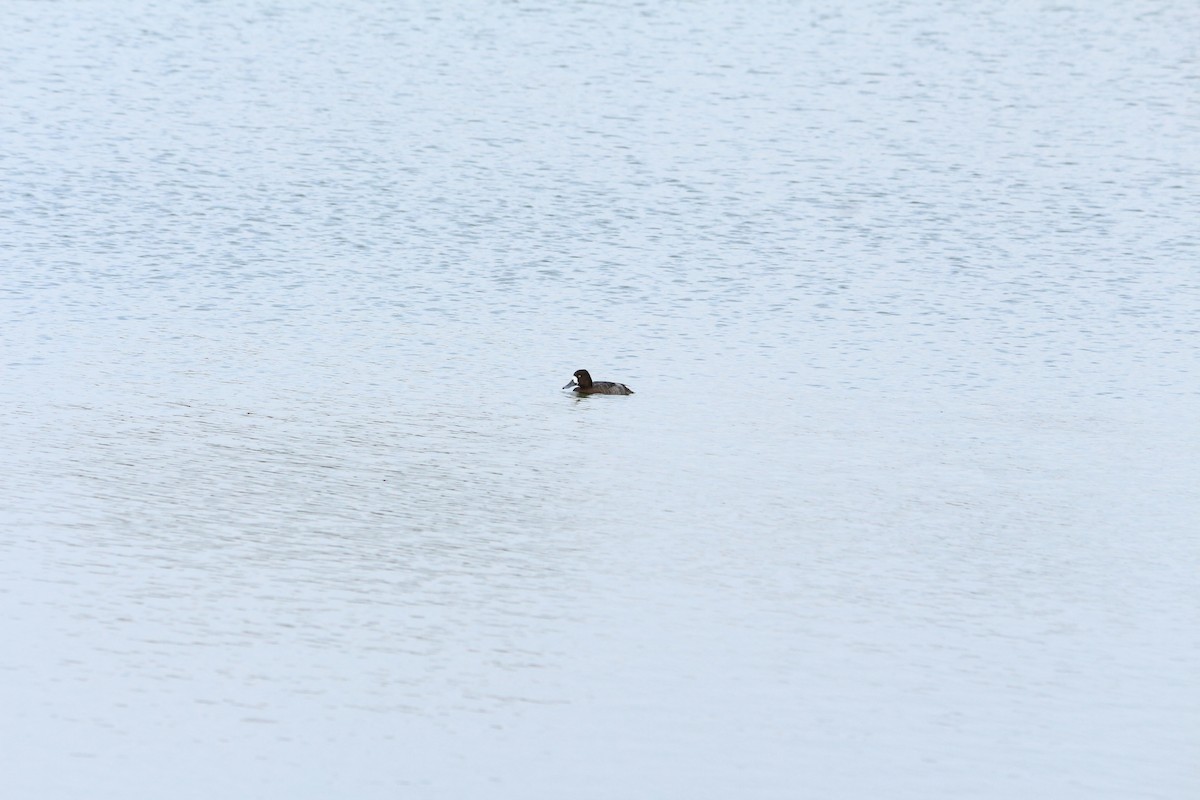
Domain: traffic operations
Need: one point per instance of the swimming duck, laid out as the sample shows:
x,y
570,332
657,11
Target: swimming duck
x,y
584,384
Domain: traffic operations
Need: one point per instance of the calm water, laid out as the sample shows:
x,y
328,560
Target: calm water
x,y
904,505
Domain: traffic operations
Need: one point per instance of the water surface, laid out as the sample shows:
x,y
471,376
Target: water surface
x,y
904,503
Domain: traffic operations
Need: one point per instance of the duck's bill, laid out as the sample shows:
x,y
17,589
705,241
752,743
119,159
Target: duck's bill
x,y
572,383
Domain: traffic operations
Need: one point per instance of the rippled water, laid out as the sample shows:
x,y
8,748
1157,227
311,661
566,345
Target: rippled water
x,y
904,505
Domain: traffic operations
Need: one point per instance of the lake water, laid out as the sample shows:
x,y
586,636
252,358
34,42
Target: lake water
x,y
904,505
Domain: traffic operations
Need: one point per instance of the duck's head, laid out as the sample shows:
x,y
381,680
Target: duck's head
x,y
582,379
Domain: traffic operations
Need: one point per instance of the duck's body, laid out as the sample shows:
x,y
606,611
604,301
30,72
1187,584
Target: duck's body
x,y
583,383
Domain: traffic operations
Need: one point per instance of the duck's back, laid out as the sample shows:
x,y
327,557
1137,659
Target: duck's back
x,y
607,387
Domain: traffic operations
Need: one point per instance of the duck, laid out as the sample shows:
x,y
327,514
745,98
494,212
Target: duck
x,y
583,383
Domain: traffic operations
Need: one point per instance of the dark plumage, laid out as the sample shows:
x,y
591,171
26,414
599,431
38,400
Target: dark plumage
x,y
584,384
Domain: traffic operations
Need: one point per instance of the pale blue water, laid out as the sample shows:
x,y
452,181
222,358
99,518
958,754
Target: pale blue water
x,y
904,505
